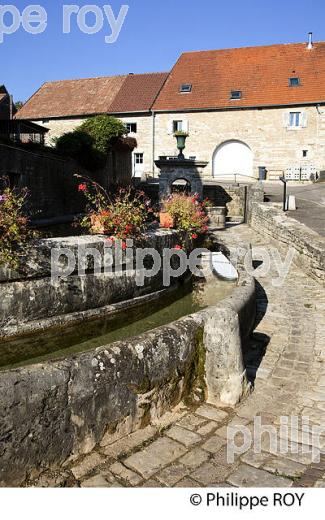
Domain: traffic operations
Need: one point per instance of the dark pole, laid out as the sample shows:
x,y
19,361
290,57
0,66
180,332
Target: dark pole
x,y
283,179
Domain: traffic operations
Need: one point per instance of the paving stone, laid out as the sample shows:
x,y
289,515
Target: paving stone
x,y
191,422
152,483
255,459
126,474
183,436
211,413
89,463
99,481
172,474
214,444
194,458
187,483
207,429
155,457
208,473
246,476
129,443
284,467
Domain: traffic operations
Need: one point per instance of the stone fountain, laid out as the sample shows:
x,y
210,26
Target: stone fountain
x,y
175,169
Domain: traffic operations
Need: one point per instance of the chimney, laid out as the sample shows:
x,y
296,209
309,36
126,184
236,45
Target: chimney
x,y
310,41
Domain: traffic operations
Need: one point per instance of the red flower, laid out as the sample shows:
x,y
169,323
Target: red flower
x,y
124,246
82,187
178,248
194,236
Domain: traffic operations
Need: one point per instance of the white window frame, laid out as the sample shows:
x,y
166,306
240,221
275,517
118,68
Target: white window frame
x,y
295,120
129,124
138,155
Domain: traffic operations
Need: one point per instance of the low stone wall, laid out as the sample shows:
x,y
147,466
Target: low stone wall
x,y
29,299
55,410
310,247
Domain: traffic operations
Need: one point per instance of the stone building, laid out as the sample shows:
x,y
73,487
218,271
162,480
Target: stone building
x,y
63,105
243,109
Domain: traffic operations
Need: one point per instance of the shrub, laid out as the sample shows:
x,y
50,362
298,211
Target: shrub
x,y
103,130
14,231
123,216
187,213
80,146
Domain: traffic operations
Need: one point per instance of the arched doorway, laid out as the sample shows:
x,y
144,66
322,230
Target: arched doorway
x,y
181,186
233,158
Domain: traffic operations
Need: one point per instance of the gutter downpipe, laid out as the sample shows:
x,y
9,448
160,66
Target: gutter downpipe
x,y
153,113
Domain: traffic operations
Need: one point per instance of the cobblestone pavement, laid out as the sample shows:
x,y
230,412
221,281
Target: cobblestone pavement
x,y
189,447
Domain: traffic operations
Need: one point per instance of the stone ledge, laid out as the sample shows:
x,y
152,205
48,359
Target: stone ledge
x,y
270,220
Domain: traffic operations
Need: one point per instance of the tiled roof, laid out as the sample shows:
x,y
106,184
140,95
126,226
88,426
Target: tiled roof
x,y
116,94
138,92
260,73
72,98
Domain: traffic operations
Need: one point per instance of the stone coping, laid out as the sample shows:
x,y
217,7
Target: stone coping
x,y
268,218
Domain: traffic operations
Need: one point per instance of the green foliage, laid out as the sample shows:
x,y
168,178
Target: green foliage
x,y
80,146
89,143
103,130
187,212
14,231
123,216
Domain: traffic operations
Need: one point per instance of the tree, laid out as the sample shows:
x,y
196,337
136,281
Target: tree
x,y
103,130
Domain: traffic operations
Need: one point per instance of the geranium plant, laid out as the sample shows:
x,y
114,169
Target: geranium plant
x,y
187,213
124,215
14,230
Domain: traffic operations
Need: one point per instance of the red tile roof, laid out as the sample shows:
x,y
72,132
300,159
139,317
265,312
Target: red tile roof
x,y
116,94
261,73
72,98
138,92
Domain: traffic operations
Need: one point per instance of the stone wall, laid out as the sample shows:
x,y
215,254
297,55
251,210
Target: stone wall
x,y
263,130
53,188
56,410
31,300
269,219
58,127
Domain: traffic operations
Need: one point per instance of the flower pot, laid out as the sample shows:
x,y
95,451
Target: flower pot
x,y
166,221
97,225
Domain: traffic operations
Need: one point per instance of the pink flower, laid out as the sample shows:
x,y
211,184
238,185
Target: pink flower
x,y
82,187
178,248
194,236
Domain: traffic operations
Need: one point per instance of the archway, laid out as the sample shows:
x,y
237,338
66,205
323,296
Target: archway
x,y
233,158
181,186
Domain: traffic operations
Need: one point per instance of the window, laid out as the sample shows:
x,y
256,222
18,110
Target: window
x,y
185,88
295,120
294,82
236,94
45,121
138,158
178,126
305,153
131,128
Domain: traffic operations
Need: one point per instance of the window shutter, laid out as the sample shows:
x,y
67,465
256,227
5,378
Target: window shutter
x,y
286,120
170,128
185,125
304,119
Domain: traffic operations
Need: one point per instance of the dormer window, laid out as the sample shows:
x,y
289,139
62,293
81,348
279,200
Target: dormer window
x,y
185,88
294,82
236,94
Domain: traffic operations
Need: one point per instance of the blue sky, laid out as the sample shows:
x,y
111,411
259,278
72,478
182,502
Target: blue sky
x,y
155,32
